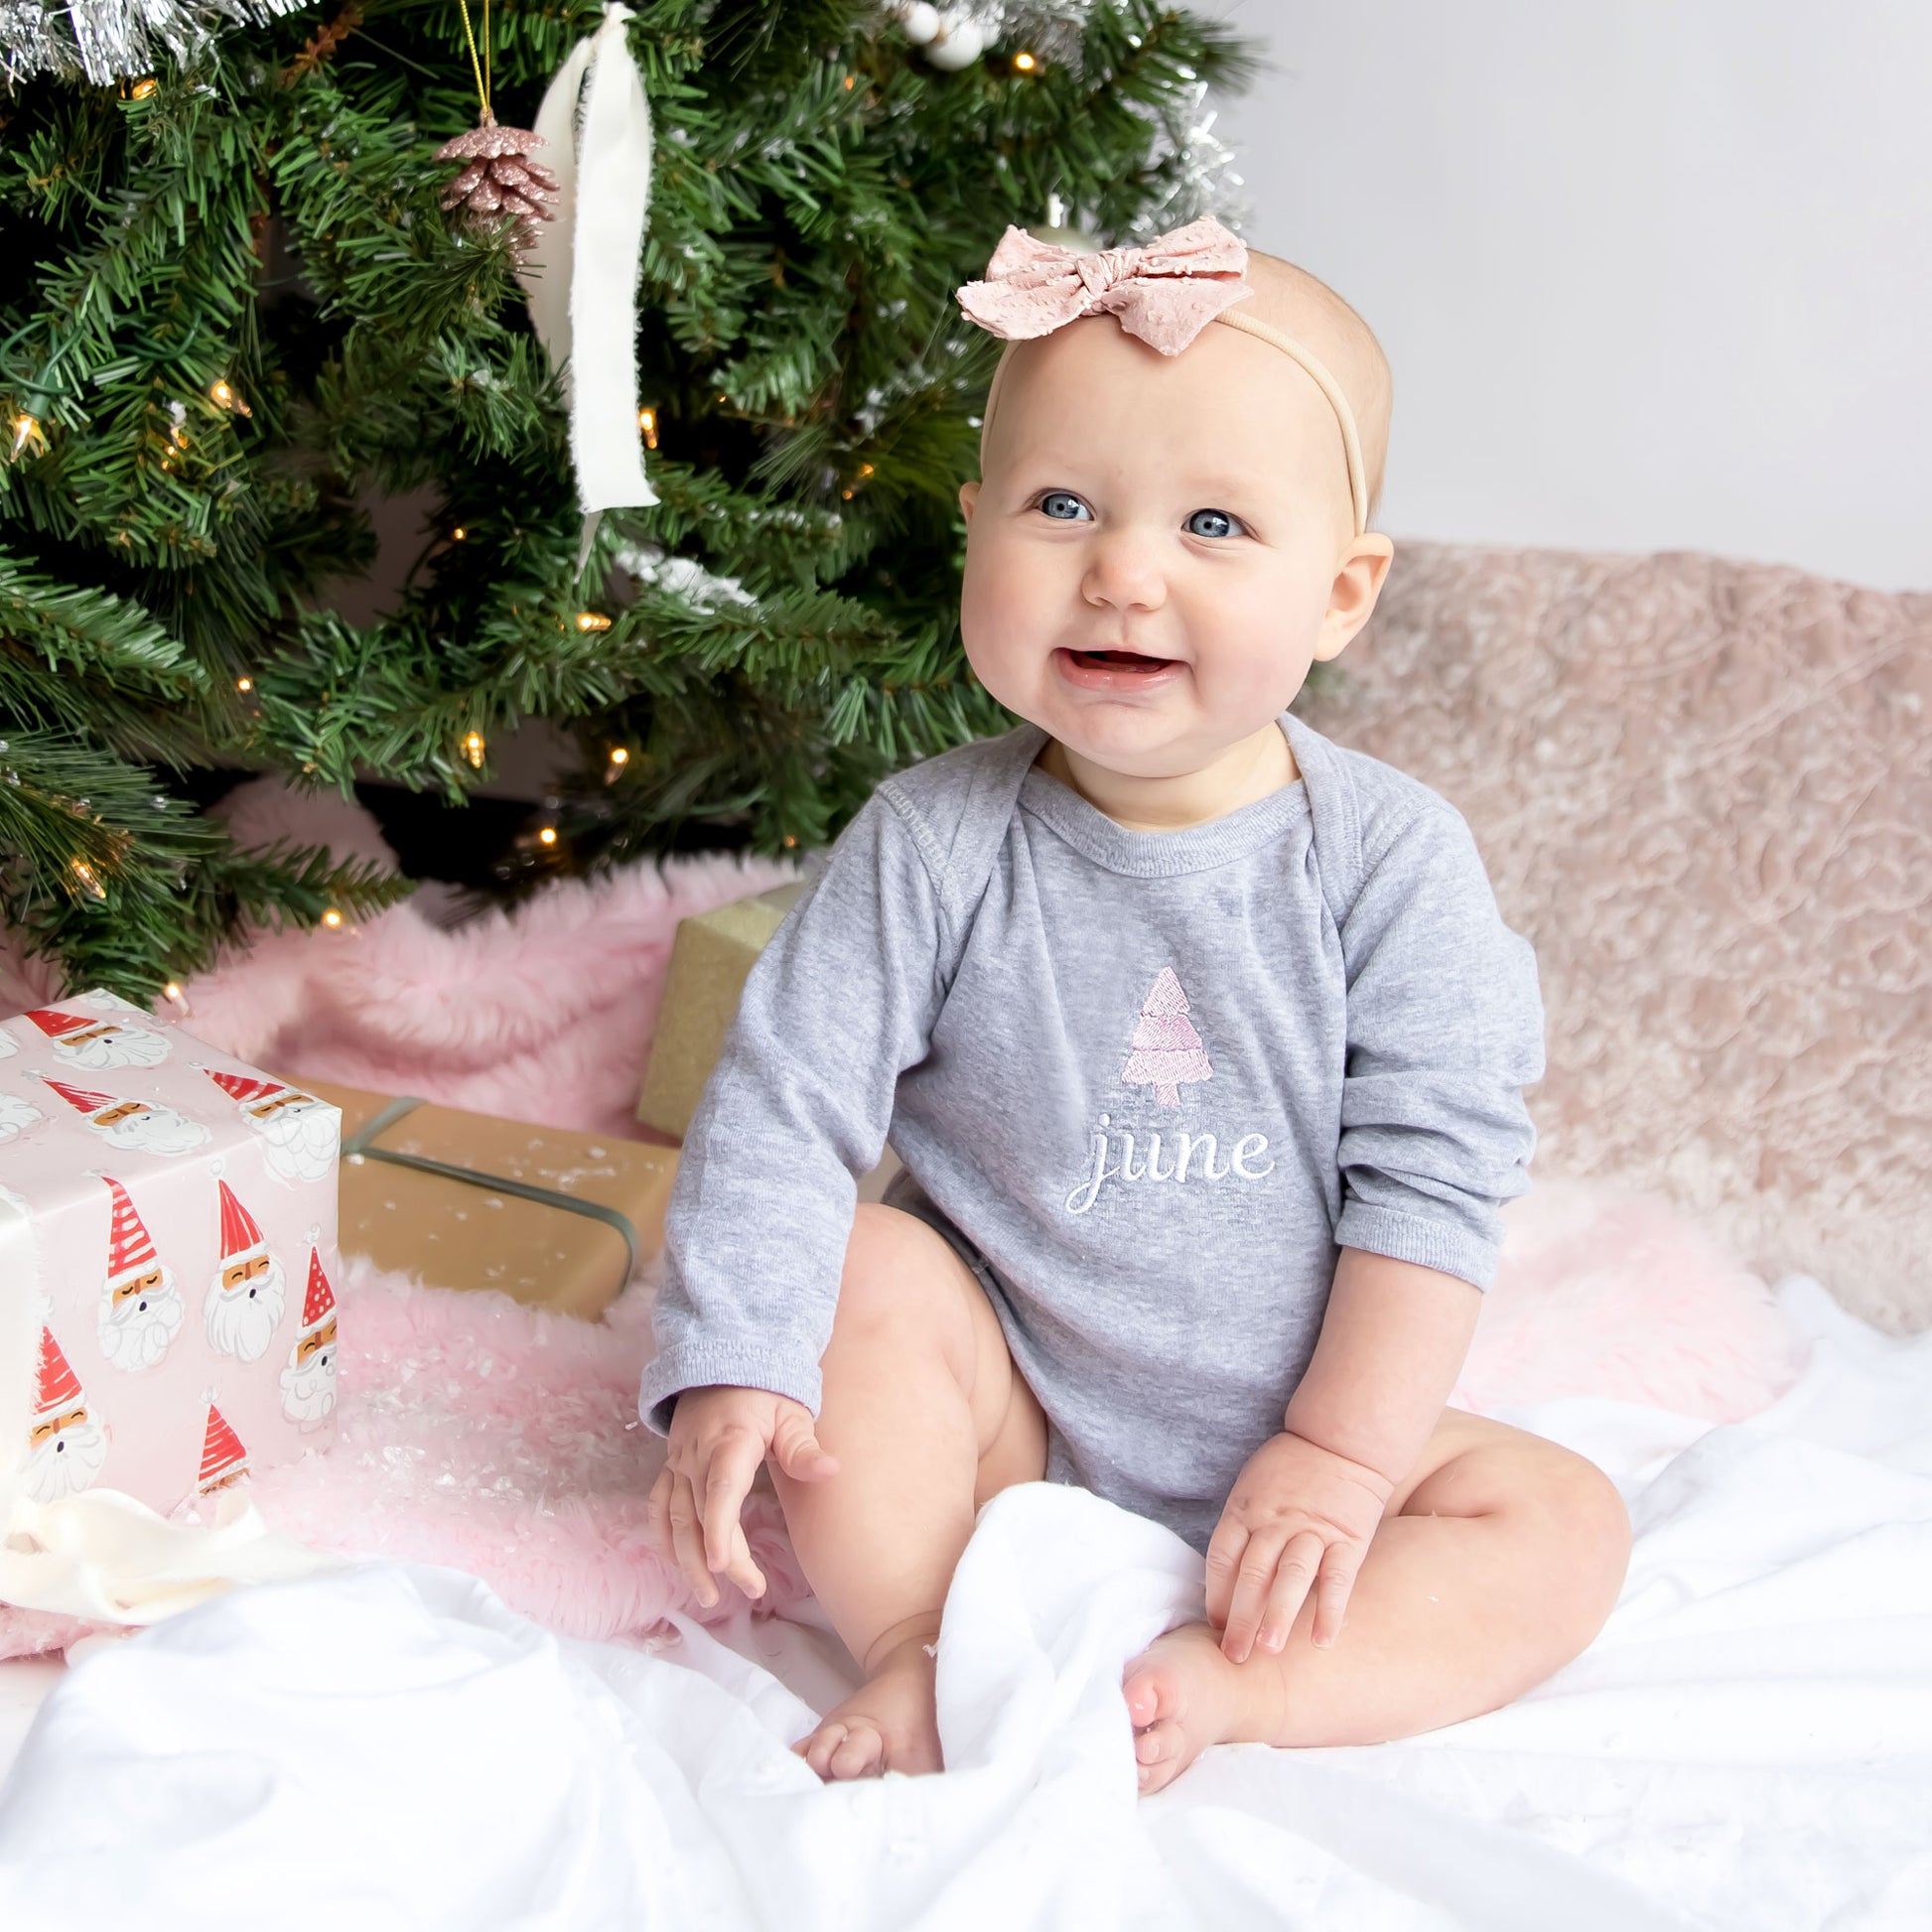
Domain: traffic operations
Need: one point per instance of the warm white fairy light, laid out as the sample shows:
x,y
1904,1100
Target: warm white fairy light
x,y
83,872
244,684
332,918
592,620
472,748
548,836
648,422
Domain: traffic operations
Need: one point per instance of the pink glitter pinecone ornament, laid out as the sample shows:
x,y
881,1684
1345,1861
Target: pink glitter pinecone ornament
x,y
500,183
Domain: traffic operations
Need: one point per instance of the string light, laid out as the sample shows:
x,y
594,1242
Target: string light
x,y
1024,63
226,397
143,87
473,747
548,836
27,429
244,684
619,755
332,918
459,533
83,872
648,422
592,620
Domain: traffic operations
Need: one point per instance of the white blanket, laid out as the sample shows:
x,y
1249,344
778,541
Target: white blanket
x,y
1749,1744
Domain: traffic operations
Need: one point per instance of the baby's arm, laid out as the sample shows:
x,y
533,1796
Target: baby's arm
x,y
755,1231
1445,1030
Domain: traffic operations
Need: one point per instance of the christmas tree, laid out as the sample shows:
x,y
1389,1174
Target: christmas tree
x,y
1167,1052
236,308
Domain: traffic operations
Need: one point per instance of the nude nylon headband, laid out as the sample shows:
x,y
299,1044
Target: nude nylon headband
x,y
1351,443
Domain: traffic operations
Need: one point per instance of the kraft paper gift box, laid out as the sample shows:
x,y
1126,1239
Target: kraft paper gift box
x,y
712,954
167,1257
549,1216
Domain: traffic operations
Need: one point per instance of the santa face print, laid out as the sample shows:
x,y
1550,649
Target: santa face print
x,y
104,1045
142,1127
64,1454
244,1303
298,1134
139,1316
308,1381
17,1115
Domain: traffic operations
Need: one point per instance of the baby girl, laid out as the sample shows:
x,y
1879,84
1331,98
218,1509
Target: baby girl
x,y
1203,1043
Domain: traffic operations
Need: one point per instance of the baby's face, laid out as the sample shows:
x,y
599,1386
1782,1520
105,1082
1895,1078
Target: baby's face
x,y
1192,508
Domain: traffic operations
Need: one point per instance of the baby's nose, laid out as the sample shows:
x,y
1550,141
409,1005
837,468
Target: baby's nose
x,y
1123,570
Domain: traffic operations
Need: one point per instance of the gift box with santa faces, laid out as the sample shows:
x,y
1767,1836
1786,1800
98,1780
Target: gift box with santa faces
x,y
167,1243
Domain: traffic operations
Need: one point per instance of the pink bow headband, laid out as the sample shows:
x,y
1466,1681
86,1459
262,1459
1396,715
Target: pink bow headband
x,y
1166,294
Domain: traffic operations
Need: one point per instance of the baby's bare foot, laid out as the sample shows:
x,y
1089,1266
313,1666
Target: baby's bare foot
x,y
1183,1695
887,1723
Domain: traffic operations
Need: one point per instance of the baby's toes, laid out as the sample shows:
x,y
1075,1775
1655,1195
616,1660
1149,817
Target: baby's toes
x,y
859,1754
817,1749
1161,1751
1152,1689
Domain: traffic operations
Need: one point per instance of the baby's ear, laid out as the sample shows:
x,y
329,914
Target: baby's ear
x,y
1352,596
969,493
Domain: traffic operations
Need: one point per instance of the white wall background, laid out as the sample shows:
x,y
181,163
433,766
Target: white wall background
x,y
1652,274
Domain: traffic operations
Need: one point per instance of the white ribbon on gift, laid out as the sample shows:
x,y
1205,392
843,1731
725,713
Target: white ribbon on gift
x,y
104,1556
581,274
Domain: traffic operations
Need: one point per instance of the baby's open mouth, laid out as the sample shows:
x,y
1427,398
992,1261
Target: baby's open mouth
x,y
1120,660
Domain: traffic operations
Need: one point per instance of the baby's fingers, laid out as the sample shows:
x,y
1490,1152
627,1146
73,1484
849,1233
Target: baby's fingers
x,y
1294,1576
657,1514
741,1568
728,1480
1224,1550
688,1541
1333,1590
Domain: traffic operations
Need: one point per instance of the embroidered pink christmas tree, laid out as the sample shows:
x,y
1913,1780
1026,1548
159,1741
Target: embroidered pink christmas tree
x,y
1167,1052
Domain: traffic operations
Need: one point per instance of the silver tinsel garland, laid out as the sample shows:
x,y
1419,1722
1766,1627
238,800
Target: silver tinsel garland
x,y
1192,165
105,41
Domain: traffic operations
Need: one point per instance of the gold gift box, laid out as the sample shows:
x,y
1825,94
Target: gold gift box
x,y
460,1220
711,955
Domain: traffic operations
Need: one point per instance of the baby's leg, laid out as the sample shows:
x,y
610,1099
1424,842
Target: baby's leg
x,y
928,1417
1496,1563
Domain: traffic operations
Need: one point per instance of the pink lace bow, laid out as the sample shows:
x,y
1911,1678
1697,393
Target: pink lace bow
x,y
1165,293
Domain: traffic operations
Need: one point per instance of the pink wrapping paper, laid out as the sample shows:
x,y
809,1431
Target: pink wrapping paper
x,y
167,1259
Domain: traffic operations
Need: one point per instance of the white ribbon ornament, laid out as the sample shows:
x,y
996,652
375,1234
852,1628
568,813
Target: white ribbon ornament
x,y
582,274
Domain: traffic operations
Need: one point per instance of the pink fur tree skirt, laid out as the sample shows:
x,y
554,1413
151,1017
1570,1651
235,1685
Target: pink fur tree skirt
x,y
505,1442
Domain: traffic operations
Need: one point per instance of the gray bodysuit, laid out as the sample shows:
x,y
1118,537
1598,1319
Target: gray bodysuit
x,y
1156,1082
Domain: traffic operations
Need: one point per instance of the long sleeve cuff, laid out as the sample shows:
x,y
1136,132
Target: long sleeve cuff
x,y
1413,1237
744,1365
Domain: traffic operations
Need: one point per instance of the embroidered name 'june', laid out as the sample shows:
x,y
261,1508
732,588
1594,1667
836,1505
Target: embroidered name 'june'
x,y
1167,1054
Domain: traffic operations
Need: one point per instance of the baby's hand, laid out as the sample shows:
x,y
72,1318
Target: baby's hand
x,y
1299,1516
719,1437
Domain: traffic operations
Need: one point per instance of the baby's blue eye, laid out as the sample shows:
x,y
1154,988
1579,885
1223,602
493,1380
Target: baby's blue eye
x,y
1054,497
1220,517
